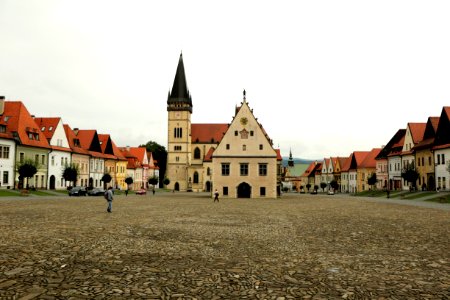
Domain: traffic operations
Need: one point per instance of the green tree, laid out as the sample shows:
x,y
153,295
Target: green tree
x,y
166,181
410,174
334,184
323,185
159,154
308,186
372,180
153,180
129,181
27,169
70,173
106,178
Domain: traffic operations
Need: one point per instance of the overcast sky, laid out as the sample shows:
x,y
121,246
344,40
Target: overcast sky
x,y
324,78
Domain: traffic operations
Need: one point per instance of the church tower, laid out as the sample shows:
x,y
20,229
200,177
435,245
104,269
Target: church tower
x,y
179,108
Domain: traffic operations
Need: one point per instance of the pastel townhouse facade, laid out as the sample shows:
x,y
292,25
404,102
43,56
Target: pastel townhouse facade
x,y
7,150
80,157
153,169
89,141
382,159
413,136
140,153
345,176
366,169
395,162
425,156
354,181
134,169
327,173
120,168
31,144
60,154
441,150
109,158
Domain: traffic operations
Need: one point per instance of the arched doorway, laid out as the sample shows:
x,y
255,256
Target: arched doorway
x,y
177,186
244,190
52,182
91,183
208,186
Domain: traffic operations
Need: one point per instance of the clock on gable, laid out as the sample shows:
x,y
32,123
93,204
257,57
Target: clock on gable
x,y
244,121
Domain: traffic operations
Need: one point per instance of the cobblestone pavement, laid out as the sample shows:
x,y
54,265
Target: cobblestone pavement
x,y
184,246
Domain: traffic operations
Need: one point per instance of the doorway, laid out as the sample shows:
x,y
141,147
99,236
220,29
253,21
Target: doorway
x,y
244,190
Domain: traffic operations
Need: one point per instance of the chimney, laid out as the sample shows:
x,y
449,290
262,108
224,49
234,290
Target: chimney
x,y
2,105
75,130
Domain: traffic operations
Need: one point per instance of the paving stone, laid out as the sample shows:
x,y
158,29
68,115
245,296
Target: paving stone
x,y
180,246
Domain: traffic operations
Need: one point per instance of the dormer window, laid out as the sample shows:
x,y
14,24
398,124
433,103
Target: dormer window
x,y
30,135
2,128
7,118
50,128
43,128
76,142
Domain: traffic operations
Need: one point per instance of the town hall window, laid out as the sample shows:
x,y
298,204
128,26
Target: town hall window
x,y
197,153
225,169
262,169
244,169
195,177
178,132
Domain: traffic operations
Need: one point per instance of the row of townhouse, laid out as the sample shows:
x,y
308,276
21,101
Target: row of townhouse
x,y
423,147
53,146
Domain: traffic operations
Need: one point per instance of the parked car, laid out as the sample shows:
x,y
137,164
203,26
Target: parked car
x,y
141,192
96,192
77,191
330,192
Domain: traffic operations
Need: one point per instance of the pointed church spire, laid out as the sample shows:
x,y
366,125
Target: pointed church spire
x,y
291,160
179,98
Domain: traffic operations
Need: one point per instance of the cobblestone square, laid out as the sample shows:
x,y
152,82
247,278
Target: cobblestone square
x,y
184,246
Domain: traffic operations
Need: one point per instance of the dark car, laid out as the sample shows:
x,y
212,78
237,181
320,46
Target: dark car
x,y
96,192
77,191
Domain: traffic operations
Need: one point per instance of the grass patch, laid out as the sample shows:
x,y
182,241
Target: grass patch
x,y
440,198
375,193
41,193
8,193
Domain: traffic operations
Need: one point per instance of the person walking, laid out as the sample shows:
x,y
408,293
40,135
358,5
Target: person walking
x,y
216,196
109,198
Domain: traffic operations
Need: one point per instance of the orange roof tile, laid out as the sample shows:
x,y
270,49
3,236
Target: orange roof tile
x,y
417,130
279,157
74,141
139,153
19,121
207,133
369,161
208,156
47,126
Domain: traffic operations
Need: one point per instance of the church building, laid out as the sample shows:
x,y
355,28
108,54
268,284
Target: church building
x,y
235,158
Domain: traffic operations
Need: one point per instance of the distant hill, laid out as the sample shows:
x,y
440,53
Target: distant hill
x,y
297,161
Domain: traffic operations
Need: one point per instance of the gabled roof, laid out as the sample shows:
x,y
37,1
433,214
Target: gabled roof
x,y
106,146
428,135
443,129
73,140
117,152
309,169
139,153
347,163
89,140
417,130
47,126
394,145
207,133
357,158
369,161
21,125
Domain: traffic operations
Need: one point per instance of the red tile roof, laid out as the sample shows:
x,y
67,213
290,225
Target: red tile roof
x,y
207,133
72,138
19,121
417,130
279,157
208,156
139,153
369,161
47,126
345,167
117,151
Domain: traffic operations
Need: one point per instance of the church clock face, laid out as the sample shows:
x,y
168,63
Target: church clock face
x,y
177,115
244,121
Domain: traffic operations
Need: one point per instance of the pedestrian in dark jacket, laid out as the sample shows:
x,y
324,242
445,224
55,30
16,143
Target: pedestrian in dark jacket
x,y
109,197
